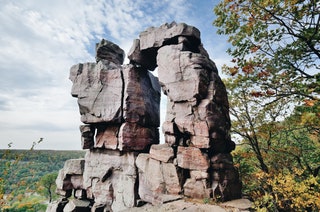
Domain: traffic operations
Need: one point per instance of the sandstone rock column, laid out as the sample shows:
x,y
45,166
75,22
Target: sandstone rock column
x,y
197,121
120,108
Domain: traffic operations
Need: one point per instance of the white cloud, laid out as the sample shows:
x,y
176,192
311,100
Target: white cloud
x,y
41,40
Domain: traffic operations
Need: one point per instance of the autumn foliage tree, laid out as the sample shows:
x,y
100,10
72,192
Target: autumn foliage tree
x,y
276,43
274,85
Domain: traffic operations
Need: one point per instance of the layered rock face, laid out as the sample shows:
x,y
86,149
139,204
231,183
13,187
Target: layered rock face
x,y
119,104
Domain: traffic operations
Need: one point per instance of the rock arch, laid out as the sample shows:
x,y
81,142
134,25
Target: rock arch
x,y
119,105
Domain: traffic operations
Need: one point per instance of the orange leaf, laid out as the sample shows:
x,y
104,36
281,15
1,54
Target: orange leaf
x,y
309,102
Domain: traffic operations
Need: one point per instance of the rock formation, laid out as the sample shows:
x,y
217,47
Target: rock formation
x,y
119,104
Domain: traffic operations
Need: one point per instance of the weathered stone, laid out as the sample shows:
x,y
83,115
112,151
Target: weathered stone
x,y
60,182
170,114
80,194
134,52
77,205
201,128
144,50
183,109
242,204
192,158
198,175
157,181
170,139
185,124
196,189
168,60
217,92
188,124
190,89
52,207
145,59
217,120
218,123
107,137
168,127
141,97
157,37
133,137
87,136
171,179
161,152
70,177
102,192
74,167
63,193
121,107
111,177
76,181
188,73
180,110
95,85
200,142
106,50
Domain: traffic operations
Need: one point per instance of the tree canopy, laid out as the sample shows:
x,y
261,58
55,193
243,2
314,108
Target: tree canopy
x,y
276,43
273,84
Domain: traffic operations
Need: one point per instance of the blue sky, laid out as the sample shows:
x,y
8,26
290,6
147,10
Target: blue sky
x,y
41,40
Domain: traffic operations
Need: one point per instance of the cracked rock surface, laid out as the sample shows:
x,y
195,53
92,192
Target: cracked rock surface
x,y
125,166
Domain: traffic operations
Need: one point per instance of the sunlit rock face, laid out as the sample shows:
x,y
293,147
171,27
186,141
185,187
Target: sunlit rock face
x,y
120,108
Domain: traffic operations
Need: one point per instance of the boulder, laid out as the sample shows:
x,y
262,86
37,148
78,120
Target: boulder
x,y
94,86
165,34
74,167
70,176
106,50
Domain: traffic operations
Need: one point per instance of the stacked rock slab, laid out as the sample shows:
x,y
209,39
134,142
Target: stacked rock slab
x,y
119,106
197,121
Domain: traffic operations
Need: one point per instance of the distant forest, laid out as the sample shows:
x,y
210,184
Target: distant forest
x,y
21,170
28,166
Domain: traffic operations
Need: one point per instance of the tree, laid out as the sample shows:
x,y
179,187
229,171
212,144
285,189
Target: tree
x,y
8,164
47,185
275,43
278,153
274,86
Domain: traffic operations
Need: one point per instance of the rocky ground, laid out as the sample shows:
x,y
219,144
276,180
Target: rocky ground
x,y
240,205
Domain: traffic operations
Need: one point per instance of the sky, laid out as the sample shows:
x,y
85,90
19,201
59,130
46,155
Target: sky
x,y
41,40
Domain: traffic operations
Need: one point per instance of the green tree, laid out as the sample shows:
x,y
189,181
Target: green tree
x,y
47,185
